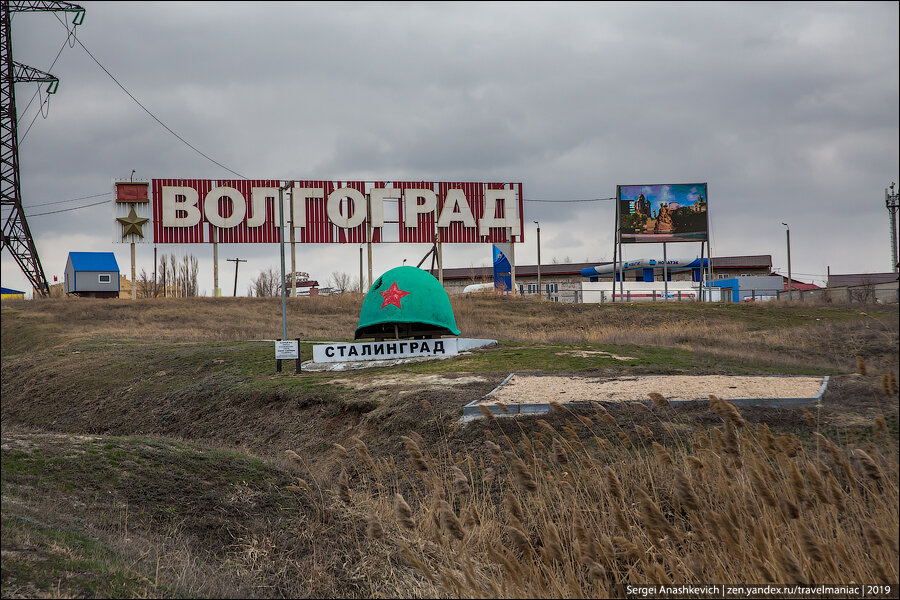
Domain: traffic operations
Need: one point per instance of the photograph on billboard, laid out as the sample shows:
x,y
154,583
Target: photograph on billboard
x,y
663,213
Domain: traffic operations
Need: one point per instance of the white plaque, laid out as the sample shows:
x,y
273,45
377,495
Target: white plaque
x,y
287,349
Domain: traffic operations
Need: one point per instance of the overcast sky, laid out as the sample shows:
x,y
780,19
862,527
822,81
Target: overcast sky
x,y
788,111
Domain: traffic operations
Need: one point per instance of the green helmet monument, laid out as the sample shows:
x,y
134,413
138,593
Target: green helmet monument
x,y
406,302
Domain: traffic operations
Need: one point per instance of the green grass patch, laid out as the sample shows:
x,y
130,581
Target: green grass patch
x,y
44,560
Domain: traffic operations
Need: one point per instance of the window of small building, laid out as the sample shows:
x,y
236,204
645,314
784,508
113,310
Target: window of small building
x,y
104,278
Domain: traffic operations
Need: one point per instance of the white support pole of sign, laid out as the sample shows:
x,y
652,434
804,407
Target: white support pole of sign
x,y
369,235
133,274
281,246
293,252
440,256
512,263
215,241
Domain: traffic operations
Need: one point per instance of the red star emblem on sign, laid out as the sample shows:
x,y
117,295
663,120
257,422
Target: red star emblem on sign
x,y
392,295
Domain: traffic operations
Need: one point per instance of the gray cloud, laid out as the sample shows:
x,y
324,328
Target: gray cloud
x,y
788,111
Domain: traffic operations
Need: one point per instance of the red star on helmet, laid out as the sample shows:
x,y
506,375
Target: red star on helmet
x,y
392,296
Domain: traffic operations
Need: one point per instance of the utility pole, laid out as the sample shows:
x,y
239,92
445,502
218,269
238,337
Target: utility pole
x,y
540,293
16,233
236,262
890,202
790,280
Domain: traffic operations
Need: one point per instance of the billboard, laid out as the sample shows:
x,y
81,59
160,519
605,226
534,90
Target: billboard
x,y
662,213
196,211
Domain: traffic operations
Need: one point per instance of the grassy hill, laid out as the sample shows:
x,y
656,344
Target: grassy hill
x,y
144,453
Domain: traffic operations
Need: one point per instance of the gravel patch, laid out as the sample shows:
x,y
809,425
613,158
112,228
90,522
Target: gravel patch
x,y
539,389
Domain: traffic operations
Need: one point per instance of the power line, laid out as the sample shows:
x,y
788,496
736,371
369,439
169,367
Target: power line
x,y
70,200
154,117
38,90
53,212
562,201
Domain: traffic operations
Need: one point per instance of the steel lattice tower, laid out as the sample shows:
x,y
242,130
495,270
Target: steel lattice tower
x,y
890,202
16,233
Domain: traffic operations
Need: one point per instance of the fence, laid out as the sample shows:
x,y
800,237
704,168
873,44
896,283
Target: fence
x,y
870,293
643,295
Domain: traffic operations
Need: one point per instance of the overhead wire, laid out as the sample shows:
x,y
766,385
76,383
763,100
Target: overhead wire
x,y
62,210
565,201
69,200
43,105
72,36
153,116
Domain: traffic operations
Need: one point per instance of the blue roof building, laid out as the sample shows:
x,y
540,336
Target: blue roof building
x,y
11,294
93,274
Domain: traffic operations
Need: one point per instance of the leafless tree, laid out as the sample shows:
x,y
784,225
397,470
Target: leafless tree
x,y
174,279
343,282
162,276
862,293
145,285
266,284
173,273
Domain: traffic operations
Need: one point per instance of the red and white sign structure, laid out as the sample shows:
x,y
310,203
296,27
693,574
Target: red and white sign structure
x,y
195,211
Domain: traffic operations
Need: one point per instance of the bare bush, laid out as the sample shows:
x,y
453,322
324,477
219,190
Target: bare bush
x,y
266,284
342,282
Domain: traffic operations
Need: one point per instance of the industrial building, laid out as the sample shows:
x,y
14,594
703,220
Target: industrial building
x,y
564,282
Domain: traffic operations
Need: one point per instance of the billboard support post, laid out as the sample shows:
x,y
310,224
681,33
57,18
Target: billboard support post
x,y
293,252
621,270
512,262
665,273
369,235
615,247
215,246
133,276
439,254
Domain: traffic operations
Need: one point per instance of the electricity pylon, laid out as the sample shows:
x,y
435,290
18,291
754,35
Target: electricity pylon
x,y
16,233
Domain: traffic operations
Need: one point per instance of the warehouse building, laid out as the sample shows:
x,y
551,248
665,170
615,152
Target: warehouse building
x,y
563,282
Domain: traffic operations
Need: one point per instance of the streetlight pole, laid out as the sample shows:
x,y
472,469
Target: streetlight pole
x,y
790,279
540,292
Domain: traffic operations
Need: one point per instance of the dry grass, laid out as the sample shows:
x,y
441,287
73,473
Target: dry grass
x,y
578,503
570,514
826,337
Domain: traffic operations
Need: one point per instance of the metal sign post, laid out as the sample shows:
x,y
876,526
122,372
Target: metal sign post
x,y
287,350
215,245
281,238
665,273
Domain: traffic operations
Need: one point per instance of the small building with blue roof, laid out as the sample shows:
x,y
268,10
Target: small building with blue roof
x,y
11,294
92,274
